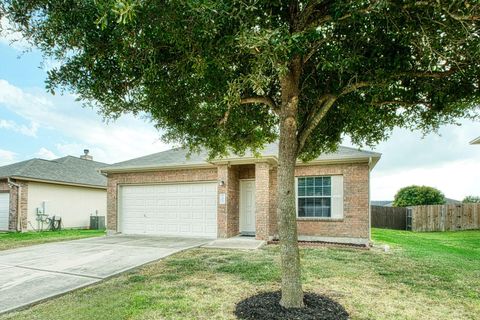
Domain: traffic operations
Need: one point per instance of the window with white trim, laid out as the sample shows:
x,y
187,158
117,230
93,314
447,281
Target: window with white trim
x,y
320,197
314,197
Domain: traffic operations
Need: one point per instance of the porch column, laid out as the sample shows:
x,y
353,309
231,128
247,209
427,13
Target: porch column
x,y
227,201
262,200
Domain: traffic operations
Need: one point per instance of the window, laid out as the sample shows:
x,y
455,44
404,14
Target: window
x,y
314,196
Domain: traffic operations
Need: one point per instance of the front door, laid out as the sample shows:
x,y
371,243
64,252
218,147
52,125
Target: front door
x,y
247,207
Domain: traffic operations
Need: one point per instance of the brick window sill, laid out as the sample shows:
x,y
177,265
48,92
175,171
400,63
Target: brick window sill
x,y
320,219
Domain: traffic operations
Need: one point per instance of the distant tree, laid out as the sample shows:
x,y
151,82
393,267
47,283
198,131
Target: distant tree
x,y
471,199
418,195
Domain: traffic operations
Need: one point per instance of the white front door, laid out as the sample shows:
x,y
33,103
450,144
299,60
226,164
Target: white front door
x,y
177,209
247,207
4,210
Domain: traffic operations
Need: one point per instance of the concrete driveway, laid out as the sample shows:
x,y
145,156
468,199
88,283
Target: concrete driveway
x,y
32,274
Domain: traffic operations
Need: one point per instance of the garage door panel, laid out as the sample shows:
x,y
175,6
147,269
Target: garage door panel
x,y
4,210
188,209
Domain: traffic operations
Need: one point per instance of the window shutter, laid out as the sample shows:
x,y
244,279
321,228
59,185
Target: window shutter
x,y
337,197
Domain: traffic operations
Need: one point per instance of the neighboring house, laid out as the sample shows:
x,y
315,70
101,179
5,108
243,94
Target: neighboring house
x,y
68,187
382,203
171,193
452,201
475,141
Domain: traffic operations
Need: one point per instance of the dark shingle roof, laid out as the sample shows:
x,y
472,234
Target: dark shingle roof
x,y
179,157
67,170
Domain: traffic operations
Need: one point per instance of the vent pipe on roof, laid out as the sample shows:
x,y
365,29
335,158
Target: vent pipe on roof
x,y
86,156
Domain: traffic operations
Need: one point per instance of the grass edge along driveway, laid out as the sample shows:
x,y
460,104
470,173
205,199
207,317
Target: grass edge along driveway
x,y
12,240
423,276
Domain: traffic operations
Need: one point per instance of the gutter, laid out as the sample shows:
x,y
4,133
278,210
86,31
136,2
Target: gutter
x,y
19,201
60,182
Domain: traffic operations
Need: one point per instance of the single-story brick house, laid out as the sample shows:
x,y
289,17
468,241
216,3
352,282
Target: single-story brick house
x,y
70,188
171,193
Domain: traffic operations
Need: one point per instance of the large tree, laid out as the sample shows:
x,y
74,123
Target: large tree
x,y
234,75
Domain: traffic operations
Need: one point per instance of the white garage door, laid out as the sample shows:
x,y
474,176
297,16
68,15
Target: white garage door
x,y
183,209
4,210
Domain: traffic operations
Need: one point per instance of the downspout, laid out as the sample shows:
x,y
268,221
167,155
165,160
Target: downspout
x,y
369,205
19,202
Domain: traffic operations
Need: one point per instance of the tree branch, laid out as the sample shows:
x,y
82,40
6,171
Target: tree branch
x,y
260,99
355,86
268,101
401,102
329,18
314,117
429,74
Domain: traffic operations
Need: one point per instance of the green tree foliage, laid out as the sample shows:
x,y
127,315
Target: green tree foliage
x,y
471,199
234,75
418,195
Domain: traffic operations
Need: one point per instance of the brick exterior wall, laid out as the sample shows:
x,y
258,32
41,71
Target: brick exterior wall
x,y
227,214
355,223
356,220
13,216
116,179
262,200
246,171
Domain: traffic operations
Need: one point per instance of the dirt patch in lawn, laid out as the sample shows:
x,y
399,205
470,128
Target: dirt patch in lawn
x,y
267,306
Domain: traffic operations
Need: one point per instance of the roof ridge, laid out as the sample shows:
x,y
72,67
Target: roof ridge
x,y
80,159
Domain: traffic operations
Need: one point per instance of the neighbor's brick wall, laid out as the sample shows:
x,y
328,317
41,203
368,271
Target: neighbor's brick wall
x,y
355,222
116,179
12,224
23,204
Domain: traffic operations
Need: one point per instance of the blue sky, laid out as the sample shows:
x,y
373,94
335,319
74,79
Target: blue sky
x,y
33,123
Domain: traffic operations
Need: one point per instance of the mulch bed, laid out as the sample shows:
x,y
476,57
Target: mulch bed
x,y
267,306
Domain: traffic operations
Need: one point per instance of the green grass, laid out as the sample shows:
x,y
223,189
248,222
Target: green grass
x,y
423,276
11,240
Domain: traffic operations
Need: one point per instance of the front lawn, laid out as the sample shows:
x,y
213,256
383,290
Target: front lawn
x,y
423,276
11,240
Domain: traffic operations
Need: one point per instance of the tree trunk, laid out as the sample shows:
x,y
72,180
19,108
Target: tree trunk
x,y
292,294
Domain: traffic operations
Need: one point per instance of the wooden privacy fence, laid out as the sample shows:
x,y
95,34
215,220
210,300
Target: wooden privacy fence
x,y
389,217
447,217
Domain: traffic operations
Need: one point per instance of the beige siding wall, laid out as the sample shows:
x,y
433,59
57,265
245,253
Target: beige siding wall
x,y
73,204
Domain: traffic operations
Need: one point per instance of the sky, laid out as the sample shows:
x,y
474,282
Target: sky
x,y
36,124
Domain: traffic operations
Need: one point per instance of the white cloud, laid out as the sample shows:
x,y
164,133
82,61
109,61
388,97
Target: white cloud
x,y
7,157
455,179
30,131
44,153
12,38
446,161
82,128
